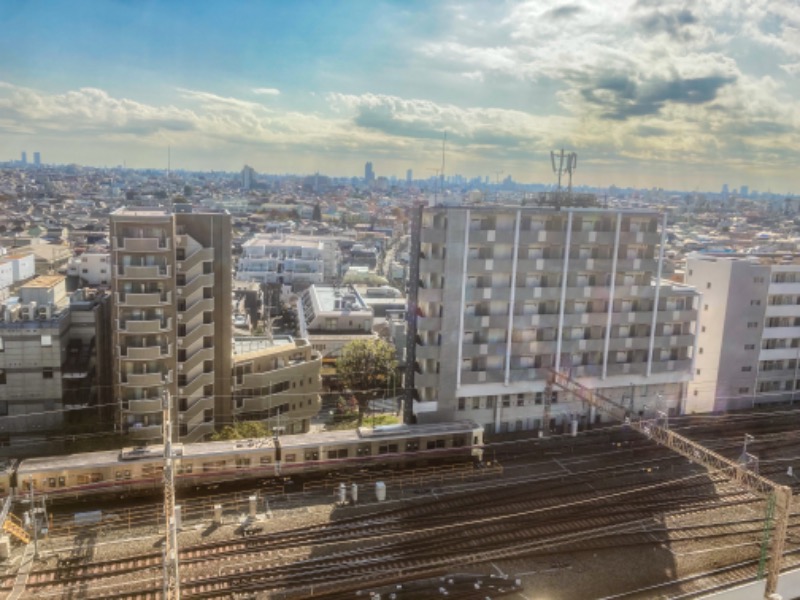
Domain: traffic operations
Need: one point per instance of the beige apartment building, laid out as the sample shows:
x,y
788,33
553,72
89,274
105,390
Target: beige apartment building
x,y
277,381
498,295
171,321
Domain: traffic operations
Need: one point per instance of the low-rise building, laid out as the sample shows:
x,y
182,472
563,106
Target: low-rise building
x,y
290,260
276,380
92,267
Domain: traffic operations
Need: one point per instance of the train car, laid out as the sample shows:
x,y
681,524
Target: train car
x,y
140,471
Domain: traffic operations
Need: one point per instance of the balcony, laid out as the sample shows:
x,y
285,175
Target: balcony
x,y
640,237
430,295
601,238
429,323
433,236
784,289
143,272
148,326
672,366
473,377
783,310
144,405
427,352
145,353
124,244
638,368
630,343
431,265
145,433
128,299
144,379
529,374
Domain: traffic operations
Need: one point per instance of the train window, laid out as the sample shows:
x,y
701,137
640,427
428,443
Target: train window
x,y
118,475
290,458
412,446
187,469
242,463
340,453
331,454
431,445
208,467
83,479
96,477
383,449
475,441
62,481
459,442
51,482
312,456
364,450
265,460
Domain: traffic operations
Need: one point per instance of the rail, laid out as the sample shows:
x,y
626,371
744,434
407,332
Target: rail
x,y
778,496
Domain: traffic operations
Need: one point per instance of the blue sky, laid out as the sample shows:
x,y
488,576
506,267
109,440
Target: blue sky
x,y
682,95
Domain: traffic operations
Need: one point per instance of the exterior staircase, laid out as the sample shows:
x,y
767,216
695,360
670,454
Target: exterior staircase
x,y
13,526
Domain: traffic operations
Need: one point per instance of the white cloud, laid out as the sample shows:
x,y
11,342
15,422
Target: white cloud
x,y
267,91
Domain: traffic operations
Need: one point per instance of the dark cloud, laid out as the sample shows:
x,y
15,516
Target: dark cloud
x,y
622,97
564,11
654,19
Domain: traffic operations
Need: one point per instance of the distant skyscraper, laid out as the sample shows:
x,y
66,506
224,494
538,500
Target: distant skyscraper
x,y
37,159
24,158
248,177
744,191
409,176
369,174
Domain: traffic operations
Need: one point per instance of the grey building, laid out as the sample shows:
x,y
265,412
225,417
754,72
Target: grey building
x,y
499,295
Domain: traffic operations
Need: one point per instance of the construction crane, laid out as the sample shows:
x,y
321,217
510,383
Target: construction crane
x,y
779,497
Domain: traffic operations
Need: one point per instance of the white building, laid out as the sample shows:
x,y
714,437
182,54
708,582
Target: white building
x,y
93,267
271,258
748,345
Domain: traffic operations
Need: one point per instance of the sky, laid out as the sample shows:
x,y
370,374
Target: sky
x,y
681,95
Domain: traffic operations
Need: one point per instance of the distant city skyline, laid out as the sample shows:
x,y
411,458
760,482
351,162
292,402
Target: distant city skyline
x,y
649,94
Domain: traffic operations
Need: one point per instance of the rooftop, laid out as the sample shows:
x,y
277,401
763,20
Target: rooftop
x,y
244,345
45,281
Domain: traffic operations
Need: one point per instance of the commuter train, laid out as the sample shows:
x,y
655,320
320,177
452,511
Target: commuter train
x,y
138,471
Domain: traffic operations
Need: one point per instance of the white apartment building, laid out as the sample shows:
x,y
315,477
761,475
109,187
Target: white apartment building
x,y
749,338
275,258
93,267
331,317
499,295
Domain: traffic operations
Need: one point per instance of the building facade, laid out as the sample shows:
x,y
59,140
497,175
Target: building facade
x,y
277,381
288,260
172,321
749,337
92,267
499,295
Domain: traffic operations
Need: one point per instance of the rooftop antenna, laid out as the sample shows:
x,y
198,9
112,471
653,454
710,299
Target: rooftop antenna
x,y
567,163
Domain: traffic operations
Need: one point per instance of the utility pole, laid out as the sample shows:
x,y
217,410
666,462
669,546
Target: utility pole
x,y
172,581
33,522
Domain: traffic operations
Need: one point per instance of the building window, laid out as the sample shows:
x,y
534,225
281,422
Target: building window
x,y
2,345
698,372
476,403
462,403
47,373
744,390
2,376
699,350
749,346
755,302
705,307
490,401
747,369
703,329
708,285
751,324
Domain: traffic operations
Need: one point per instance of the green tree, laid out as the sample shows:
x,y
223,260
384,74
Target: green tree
x,y
366,368
241,431
317,215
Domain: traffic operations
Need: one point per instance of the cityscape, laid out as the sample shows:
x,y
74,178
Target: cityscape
x,y
395,300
